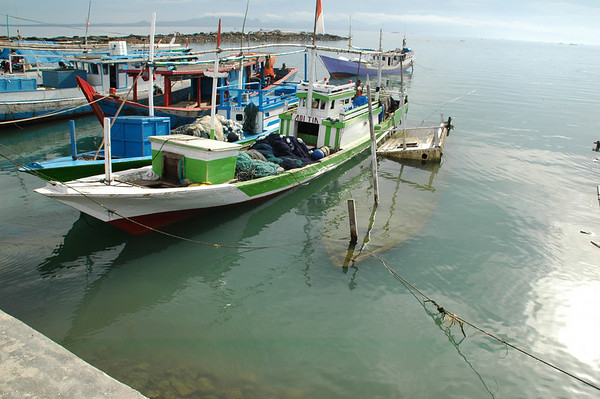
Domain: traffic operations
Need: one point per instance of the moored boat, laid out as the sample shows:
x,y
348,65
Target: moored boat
x,y
392,62
190,100
190,175
53,92
425,143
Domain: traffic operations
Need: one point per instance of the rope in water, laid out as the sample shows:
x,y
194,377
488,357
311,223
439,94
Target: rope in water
x,y
455,319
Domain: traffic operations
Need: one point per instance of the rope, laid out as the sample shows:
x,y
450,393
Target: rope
x,y
51,114
38,174
453,319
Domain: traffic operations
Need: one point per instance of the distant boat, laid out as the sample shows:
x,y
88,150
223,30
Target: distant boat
x,y
190,175
392,62
51,90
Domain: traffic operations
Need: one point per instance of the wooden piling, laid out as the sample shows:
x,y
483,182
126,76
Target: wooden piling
x,y
373,146
352,217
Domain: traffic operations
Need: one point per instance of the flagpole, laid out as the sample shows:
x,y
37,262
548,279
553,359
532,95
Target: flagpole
x,y
313,59
151,68
214,85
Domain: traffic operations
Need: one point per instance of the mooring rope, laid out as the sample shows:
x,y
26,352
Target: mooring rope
x,y
39,175
453,319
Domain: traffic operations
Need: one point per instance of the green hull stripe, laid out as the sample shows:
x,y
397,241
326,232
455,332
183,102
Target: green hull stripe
x,y
292,177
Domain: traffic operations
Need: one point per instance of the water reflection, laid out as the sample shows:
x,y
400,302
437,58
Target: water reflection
x,y
407,200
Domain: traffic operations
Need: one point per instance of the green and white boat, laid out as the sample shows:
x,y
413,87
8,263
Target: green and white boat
x,y
190,175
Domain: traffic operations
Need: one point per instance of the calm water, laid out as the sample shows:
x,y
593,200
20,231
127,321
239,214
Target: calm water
x,y
493,235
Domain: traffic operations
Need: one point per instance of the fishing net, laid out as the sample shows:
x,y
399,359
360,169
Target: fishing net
x,y
247,168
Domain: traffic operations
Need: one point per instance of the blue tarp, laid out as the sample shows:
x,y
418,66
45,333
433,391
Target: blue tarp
x,y
44,56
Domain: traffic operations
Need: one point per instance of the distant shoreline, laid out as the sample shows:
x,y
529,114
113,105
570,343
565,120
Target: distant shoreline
x,y
273,36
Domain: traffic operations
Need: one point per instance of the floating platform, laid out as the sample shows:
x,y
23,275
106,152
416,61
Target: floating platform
x,y
424,143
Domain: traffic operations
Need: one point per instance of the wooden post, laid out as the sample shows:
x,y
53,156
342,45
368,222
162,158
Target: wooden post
x,y
167,95
73,142
352,217
373,146
107,152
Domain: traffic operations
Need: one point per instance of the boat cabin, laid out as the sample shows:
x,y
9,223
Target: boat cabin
x,y
335,117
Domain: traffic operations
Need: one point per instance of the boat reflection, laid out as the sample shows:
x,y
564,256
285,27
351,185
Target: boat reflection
x,y
126,275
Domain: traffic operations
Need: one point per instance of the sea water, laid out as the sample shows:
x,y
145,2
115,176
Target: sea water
x,y
256,304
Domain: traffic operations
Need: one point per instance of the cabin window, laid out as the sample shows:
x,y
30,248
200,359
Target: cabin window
x,y
332,104
323,104
239,117
105,69
94,69
315,103
304,102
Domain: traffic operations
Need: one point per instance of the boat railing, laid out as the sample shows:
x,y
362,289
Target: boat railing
x,y
233,96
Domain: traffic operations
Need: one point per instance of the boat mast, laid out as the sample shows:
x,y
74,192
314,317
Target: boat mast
x,y
313,55
150,68
240,72
380,65
215,81
350,32
87,26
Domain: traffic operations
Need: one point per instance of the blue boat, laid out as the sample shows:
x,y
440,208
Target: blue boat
x,y
50,90
392,63
255,109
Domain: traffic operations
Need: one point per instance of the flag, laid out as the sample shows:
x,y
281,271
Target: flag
x,y
320,25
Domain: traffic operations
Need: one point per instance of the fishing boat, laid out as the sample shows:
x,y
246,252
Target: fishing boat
x,y
190,175
28,94
392,62
191,100
249,113
424,143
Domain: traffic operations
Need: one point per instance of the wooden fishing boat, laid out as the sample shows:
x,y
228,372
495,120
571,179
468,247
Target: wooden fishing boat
x,y
392,62
254,110
424,143
53,92
190,175
192,98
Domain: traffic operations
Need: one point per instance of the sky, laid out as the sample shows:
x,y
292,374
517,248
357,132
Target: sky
x,y
568,21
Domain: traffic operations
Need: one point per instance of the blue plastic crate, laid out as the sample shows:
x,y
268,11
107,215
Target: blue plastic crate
x,y
129,134
8,84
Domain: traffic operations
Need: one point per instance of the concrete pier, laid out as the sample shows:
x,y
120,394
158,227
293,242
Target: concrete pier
x,y
33,366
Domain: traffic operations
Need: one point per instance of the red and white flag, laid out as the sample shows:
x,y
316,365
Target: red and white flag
x,y
320,25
